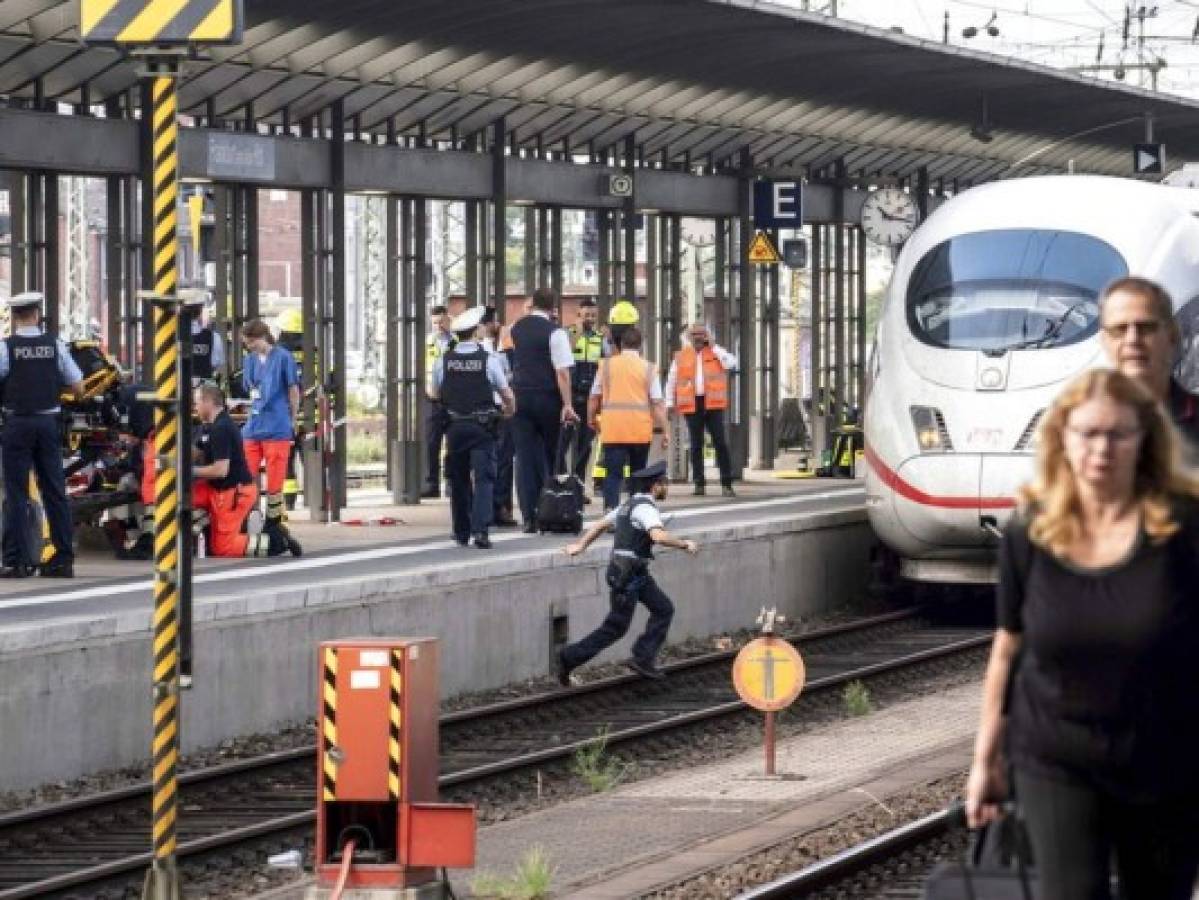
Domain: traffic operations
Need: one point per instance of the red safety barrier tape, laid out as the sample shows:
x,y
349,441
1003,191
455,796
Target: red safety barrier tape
x,y
382,520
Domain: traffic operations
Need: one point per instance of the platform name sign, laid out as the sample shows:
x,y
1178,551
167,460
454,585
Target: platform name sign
x,y
160,23
778,204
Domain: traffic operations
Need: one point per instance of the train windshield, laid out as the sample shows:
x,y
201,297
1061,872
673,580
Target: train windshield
x,y
1012,289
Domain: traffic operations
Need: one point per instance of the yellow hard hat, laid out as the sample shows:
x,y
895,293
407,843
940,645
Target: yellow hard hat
x,y
623,313
291,320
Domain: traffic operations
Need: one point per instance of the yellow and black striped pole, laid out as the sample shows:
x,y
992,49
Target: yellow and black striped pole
x,y
329,725
393,730
162,882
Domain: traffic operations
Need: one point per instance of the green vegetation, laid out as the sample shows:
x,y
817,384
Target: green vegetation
x,y
366,447
857,699
530,880
594,766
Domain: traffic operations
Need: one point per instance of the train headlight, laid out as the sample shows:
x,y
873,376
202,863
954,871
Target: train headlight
x,y
931,433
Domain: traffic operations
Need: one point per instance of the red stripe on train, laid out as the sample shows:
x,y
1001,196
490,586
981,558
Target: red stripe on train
x,y
909,491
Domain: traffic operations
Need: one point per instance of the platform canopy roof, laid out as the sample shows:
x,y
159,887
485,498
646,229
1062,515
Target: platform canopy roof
x,y
687,79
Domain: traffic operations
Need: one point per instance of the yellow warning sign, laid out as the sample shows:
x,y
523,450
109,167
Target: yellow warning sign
x,y
158,22
762,250
768,674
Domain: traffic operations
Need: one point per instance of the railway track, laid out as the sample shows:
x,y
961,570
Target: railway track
x,y
92,846
891,866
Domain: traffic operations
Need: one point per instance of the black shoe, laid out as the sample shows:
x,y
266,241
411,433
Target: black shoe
x,y
293,546
529,527
462,542
18,571
562,671
430,494
482,541
58,569
698,490
727,491
143,548
646,670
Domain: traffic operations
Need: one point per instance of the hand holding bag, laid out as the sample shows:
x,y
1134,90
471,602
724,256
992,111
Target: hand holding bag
x,y
997,866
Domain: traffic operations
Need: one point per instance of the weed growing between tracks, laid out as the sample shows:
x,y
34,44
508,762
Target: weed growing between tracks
x,y
530,881
601,772
857,699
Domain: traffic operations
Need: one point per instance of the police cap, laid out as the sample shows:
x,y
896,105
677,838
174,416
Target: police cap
x,y
651,473
26,300
467,321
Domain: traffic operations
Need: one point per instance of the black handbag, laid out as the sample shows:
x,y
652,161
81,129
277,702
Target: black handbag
x,y
997,866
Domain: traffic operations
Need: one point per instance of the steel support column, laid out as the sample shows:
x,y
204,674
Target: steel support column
x,y
768,384
312,283
249,207
653,289
18,233
474,296
337,308
629,221
530,252
816,382
555,244
744,325
392,407
861,337
51,280
222,255
411,362
499,199
113,267
673,307
604,231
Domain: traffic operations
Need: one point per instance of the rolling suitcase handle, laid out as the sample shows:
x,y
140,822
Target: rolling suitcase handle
x,y
568,439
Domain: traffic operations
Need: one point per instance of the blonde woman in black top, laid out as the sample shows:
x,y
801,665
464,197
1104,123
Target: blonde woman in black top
x,y
1099,595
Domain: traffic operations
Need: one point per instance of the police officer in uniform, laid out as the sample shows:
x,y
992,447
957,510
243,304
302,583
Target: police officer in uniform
x,y
35,366
465,381
638,526
589,350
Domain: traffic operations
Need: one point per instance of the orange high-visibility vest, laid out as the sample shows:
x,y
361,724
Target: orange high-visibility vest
x,y
716,380
624,382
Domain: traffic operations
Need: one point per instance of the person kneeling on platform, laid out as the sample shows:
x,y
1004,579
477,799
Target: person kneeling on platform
x,y
223,493
469,385
638,526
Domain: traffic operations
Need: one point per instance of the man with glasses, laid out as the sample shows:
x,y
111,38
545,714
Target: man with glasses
x,y
1141,339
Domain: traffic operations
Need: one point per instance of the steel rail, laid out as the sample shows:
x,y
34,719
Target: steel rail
x,y
858,858
291,822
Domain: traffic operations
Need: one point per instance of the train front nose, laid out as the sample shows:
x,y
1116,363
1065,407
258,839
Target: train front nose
x,y
943,500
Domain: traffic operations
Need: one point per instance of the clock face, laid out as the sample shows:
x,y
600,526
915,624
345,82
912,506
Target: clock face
x,y
889,216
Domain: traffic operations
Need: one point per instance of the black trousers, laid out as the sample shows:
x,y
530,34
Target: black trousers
x,y
585,441
505,454
616,626
535,429
33,442
435,428
470,468
615,458
713,421
1074,829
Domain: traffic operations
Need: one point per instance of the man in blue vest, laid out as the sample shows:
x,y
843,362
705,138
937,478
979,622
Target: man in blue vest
x,y
35,367
208,350
466,380
541,362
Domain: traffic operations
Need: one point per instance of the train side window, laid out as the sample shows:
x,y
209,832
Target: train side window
x,y
1186,370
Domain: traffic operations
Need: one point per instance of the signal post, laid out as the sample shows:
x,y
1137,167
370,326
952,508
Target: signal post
x,y
161,33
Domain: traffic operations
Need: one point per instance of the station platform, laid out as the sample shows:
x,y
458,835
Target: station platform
x,y
75,655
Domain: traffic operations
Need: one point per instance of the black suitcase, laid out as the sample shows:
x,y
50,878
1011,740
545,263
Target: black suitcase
x,y
998,866
560,506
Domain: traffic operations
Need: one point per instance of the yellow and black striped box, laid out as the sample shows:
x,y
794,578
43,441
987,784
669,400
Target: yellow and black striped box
x,y
136,23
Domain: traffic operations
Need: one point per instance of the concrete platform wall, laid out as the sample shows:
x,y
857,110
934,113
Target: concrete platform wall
x,y
82,706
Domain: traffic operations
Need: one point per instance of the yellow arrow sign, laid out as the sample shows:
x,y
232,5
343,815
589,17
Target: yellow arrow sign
x,y
763,251
156,22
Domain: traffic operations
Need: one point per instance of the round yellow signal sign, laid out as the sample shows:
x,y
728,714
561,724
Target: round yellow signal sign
x,y
768,674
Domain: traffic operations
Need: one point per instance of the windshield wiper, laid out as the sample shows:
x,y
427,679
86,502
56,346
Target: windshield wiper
x,y
1052,330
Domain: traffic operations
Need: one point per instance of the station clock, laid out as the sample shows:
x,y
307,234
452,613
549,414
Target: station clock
x,y
889,216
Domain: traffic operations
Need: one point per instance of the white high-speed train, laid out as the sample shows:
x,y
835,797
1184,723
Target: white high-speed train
x,y
991,309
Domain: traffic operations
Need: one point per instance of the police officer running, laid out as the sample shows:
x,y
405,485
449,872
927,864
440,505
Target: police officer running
x,y
35,366
638,526
465,381
588,350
